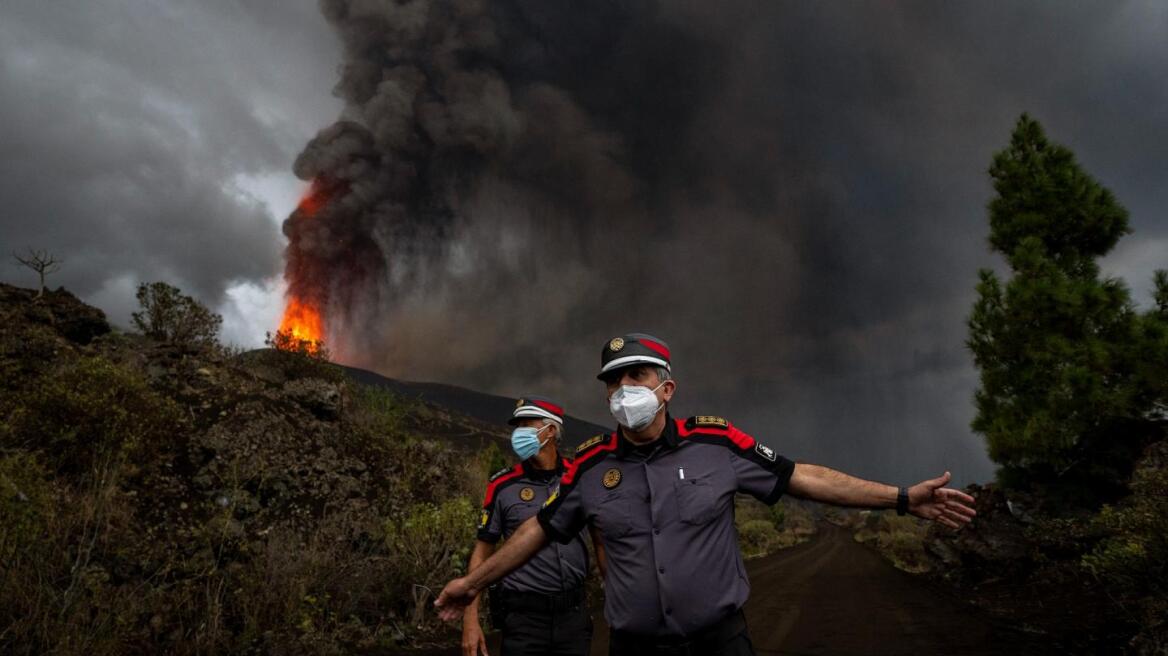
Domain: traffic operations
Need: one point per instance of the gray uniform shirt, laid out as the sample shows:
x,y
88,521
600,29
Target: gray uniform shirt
x,y
513,496
665,512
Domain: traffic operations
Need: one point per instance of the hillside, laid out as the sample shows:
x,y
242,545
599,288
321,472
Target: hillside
x,y
487,408
164,498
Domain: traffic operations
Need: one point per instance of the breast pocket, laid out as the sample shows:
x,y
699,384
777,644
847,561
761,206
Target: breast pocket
x,y
612,517
698,501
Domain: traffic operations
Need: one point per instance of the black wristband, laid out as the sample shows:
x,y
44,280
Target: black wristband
x,y
902,501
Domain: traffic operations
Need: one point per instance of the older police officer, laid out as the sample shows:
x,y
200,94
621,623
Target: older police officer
x,y
539,607
661,492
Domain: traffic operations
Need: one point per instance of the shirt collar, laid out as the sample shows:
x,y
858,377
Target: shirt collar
x,y
529,471
667,440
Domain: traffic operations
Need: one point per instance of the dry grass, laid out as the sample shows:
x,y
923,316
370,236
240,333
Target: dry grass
x,y
899,539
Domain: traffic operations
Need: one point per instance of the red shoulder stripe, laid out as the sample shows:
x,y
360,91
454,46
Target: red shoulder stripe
x,y
737,437
574,466
493,486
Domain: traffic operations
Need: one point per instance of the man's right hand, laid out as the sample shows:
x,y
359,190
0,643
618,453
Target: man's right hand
x,y
474,643
454,598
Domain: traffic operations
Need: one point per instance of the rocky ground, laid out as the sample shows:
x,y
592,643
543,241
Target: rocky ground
x,y
159,497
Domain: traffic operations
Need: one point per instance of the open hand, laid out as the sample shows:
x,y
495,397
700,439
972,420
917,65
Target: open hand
x,y
933,501
454,598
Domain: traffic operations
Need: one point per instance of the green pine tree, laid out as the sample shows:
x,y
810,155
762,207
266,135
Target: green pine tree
x,y
1056,344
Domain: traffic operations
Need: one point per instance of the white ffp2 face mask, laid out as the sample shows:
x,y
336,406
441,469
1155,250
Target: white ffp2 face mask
x,y
634,406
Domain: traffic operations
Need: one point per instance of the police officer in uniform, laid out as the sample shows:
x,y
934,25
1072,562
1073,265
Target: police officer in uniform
x,y
660,490
540,606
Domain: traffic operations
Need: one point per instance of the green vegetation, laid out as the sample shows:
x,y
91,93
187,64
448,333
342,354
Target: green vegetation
x,y
159,497
899,539
1131,561
1061,402
301,358
433,543
1073,404
87,414
766,529
170,316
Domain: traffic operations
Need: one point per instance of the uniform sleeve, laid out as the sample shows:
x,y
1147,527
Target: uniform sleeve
x,y
490,520
761,471
562,516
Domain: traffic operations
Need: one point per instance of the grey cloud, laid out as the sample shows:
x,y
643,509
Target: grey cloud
x,y
792,194
125,127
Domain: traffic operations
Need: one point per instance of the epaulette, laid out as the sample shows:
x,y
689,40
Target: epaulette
x,y
706,421
499,474
589,443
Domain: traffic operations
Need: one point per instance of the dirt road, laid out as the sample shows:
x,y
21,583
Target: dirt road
x,y
834,596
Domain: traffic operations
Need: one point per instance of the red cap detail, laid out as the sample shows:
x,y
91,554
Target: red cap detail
x,y
554,409
654,346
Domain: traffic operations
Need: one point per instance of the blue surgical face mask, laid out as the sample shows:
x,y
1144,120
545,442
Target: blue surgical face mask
x,y
525,441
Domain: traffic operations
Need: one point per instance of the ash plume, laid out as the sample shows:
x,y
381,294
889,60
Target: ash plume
x,y
496,165
777,189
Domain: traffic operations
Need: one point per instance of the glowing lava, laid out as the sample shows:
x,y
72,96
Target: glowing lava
x,y
302,321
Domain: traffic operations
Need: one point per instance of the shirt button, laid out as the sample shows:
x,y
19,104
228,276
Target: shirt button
x,y
660,570
656,531
668,611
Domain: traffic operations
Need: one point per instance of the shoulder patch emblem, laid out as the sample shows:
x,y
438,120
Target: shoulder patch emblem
x,y
612,478
484,519
709,420
764,451
527,494
500,474
589,443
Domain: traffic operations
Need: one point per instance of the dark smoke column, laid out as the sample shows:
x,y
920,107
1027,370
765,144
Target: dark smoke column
x,y
491,159
425,109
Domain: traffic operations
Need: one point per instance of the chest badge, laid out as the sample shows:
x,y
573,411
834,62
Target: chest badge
x,y
527,494
612,478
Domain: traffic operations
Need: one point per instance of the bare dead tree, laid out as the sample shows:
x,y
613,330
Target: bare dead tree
x,y
42,262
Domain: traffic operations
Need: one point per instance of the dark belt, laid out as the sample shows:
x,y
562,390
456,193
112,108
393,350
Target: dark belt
x,y
698,643
555,602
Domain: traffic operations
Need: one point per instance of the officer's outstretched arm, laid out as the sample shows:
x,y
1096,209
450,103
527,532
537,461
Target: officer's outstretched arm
x,y
927,499
524,543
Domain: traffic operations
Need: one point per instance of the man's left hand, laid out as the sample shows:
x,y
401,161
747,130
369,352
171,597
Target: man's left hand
x,y
933,501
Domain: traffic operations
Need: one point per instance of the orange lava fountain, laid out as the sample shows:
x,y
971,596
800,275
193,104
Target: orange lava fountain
x,y
302,321
302,318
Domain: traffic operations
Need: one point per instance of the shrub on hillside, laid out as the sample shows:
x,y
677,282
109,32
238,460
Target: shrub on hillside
x,y
87,412
428,545
170,316
764,529
901,540
1132,560
301,358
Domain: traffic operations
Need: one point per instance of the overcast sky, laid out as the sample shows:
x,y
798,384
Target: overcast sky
x,y
146,141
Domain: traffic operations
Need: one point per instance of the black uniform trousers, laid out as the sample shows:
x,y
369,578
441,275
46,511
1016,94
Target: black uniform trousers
x,y
728,637
549,632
